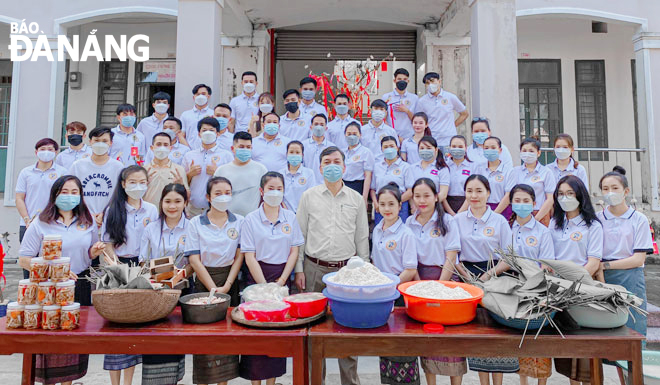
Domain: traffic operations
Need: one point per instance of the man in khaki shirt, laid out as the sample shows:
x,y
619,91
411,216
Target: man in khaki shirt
x,y
162,171
333,220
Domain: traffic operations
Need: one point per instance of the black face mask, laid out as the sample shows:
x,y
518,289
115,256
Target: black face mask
x,y
75,140
401,85
292,107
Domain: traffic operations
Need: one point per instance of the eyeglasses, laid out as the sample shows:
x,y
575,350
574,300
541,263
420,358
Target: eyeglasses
x,y
478,119
568,194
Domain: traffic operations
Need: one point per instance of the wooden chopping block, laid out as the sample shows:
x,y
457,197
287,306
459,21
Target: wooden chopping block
x,y
163,276
161,265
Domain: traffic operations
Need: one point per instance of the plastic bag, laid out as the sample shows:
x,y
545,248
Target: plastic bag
x,y
261,291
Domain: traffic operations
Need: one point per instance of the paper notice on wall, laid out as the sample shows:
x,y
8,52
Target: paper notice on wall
x,y
160,71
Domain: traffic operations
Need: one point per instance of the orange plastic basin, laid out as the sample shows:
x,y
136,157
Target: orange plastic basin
x,y
442,311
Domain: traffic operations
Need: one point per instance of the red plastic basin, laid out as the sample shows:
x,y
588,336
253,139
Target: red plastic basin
x,y
278,315
305,309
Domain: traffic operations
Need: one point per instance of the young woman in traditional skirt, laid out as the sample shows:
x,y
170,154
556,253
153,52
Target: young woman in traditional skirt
x,y
438,244
212,248
270,239
460,168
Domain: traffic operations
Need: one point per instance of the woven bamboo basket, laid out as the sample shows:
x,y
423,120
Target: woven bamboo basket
x,y
134,305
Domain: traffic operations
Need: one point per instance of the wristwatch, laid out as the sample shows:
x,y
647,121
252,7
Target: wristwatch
x,y
606,265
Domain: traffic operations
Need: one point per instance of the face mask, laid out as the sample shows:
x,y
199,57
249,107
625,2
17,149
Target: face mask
x,y
221,202
209,137
426,154
522,210
136,191
75,139
223,122
273,198
401,85
491,155
201,100
332,173
614,199
390,153
318,131
341,109
170,132
161,152
568,203
434,87
378,115
352,140
249,87
45,156
562,153
480,137
271,128
528,157
294,160
243,154
457,153
308,94
292,107
67,202
265,108
100,148
128,121
161,108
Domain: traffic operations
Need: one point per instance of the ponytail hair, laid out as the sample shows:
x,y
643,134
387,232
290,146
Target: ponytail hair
x,y
427,130
617,172
390,188
115,225
440,159
569,140
440,224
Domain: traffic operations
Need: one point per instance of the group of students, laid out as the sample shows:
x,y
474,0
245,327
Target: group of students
x,y
239,193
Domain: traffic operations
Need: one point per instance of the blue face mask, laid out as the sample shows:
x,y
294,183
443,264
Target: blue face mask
x,y
426,154
332,173
294,160
308,94
352,140
243,154
491,155
128,121
522,210
342,109
67,202
390,153
223,122
457,153
271,128
480,137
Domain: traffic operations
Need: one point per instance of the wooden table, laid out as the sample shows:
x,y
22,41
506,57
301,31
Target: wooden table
x,y
402,336
168,336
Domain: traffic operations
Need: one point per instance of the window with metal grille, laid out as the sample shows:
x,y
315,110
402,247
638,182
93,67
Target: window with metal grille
x,y
591,106
113,82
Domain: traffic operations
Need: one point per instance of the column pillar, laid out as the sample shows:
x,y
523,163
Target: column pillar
x,y
245,53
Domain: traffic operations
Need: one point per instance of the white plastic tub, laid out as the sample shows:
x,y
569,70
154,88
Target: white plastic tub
x,y
362,292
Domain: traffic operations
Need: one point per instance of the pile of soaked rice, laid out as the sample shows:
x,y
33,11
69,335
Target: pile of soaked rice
x,y
365,275
436,290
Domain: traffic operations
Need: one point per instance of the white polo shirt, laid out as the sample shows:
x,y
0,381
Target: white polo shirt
x,y
311,155
137,219
165,242
575,241
295,129
358,160
458,174
243,107
270,153
578,171
77,239
533,240
336,129
36,185
432,246
215,245
371,136
189,120
476,154
402,124
439,177
225,140
398,172
625,235
124,146
411,149
203,158
295,184
312,109
541,179
394,249
176,155
99,182
68,156
440,110
497,180
271,242
150,126
480,237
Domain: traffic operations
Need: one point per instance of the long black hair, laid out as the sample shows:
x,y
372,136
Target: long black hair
x,y
440,159
115,225
176,188
440,222
51,213
460,137
521,187
581,194
480,178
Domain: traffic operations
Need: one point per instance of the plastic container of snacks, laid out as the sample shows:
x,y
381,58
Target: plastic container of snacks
x,y
265,310
65,292
15,315
51,317
70,316
305,305
51,247
39,270
59,269
27,292
46,293
32,316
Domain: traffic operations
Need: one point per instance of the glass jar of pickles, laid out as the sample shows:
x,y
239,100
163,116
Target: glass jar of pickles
x,y
39,268
65,292
32,316
46,293
27,292
15,315
70,316
51,247
50,319
59,269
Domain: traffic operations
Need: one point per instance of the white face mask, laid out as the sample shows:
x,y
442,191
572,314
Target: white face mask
x,y
100,148
273,198
161,152
434,87
45,156
136,190
161,108
265,108
568,203
614,199
528,157
221,202
562,153
249,87
209,137
201,100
